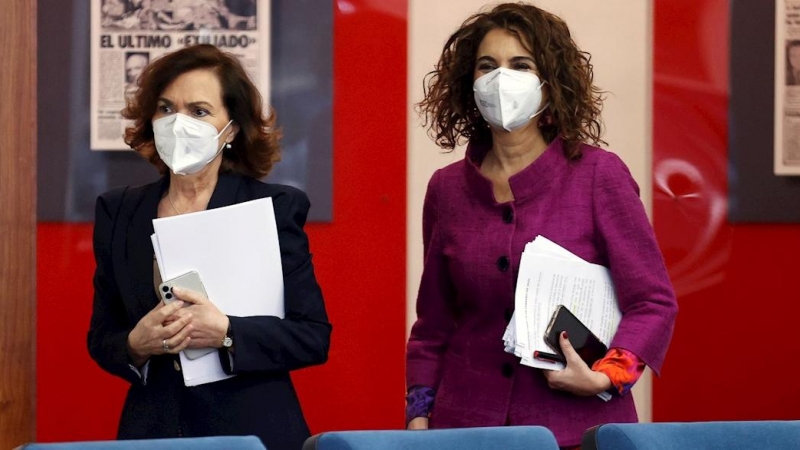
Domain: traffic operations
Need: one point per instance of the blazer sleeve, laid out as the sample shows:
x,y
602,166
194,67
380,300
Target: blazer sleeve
x,y
109,327
302,337
642,285
435,324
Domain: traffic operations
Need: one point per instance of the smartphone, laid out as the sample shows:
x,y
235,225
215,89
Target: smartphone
x,y
589,347
189,280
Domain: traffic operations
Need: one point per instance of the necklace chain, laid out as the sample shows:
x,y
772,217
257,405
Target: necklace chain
x,y
169,196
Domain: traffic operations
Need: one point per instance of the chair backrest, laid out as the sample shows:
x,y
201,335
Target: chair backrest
x,y
761,435
506,438
202,443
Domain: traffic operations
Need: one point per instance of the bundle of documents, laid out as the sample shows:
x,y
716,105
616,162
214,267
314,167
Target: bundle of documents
x,y
550,275
235,250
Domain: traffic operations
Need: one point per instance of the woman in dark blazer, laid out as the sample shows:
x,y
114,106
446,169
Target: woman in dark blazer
x,y
199,119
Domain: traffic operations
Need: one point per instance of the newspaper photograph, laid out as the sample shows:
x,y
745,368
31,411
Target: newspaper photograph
x,y
127,34
787,87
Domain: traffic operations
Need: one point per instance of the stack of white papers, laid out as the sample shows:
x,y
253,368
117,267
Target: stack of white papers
x,y
550,275
235,250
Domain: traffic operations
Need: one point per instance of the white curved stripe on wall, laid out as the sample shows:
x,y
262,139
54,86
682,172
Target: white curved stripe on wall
x,y
617,33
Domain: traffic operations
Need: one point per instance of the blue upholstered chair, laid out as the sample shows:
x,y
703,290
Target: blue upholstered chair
x,y
506,438
203,443
766,435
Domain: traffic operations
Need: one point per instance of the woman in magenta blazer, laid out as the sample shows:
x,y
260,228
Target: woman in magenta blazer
x,y
512,83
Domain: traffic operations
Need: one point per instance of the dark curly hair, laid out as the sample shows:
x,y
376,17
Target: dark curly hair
x,y
449,108
255,148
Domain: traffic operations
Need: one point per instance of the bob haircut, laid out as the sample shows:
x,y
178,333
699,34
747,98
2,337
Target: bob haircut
x,y
449,108
255,148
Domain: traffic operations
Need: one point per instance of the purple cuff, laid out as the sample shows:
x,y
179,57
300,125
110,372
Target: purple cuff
x,y
419,402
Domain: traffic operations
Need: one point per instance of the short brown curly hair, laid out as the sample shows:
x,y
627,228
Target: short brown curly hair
x,y
255,148
449,108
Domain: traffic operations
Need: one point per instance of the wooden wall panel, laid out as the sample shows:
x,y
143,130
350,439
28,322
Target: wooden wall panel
x,y
17,222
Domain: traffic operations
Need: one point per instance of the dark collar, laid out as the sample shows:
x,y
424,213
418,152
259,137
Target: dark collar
x,y
227,192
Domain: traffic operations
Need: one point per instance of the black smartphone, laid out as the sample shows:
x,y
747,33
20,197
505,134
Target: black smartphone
x,y
588,346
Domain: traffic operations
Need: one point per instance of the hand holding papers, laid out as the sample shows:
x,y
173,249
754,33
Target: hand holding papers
x,y
235,250
550,275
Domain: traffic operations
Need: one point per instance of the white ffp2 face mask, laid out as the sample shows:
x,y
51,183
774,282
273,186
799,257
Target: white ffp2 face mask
x,y
186,144
508,98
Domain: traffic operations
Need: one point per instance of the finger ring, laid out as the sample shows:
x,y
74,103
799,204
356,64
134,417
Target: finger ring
x,y
164,345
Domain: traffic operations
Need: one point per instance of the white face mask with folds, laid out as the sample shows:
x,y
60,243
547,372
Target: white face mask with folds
x,y
508,98
186,144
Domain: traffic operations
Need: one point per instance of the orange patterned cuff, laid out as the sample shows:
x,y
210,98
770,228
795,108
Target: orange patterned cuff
x,y
622,367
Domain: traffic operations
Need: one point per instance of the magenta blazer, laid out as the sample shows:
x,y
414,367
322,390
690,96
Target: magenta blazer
x,y
473,247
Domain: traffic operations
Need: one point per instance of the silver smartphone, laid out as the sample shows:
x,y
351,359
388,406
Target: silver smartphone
x,y
189,280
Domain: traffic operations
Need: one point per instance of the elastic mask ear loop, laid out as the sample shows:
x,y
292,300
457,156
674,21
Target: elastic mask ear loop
x,y
219,150
541,85
541,110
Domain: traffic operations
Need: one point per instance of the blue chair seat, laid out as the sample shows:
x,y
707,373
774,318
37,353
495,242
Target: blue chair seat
x,y
743,435
506,438
200,443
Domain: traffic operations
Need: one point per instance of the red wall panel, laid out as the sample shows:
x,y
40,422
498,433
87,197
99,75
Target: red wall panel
x,y
732,356
359,257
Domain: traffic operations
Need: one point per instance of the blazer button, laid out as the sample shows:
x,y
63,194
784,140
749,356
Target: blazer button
x,y
176,365
508,215
502,263
507,314
507,370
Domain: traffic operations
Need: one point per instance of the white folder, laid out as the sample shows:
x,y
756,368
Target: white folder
x,y
235,250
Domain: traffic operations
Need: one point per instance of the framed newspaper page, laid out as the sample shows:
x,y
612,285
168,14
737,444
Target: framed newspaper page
x,y
755,132
127,34
787,87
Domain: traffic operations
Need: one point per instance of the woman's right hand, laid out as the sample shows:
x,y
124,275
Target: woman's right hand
x,y
418,423
149,335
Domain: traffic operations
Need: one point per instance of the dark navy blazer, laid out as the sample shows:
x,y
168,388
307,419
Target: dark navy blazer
x,y
261,399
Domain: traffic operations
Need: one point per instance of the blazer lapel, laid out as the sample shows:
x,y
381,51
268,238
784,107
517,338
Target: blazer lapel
x,y
140,247
229,191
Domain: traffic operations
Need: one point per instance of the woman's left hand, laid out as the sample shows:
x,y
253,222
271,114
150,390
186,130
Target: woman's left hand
x,y
577,378
209,323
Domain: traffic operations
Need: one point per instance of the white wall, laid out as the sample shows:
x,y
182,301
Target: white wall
x,y
617,33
